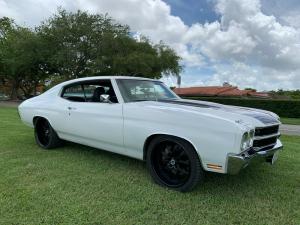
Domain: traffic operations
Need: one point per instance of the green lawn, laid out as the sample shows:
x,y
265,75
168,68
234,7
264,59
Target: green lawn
x,y
293,121
82,185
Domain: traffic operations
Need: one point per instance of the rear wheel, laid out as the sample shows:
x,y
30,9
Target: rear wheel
x,y
174,163
45,135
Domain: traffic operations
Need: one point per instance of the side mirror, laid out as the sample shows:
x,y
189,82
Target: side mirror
x,y
105,98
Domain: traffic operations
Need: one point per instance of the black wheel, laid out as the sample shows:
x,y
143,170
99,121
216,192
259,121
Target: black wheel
x,y
45,135
174,163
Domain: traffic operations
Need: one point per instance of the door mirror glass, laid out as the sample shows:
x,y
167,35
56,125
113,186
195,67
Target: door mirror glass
x,y
105,98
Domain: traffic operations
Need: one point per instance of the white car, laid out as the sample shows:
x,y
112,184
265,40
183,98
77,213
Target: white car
x,y
142,118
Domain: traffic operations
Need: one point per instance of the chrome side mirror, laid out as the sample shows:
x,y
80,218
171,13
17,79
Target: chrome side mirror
x,y
105,98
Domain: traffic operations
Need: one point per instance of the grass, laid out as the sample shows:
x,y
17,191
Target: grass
x,y
82,185
293,121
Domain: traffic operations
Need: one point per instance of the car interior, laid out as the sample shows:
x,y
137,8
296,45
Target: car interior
x,y
89,91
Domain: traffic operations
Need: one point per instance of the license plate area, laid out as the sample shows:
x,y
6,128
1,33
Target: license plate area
x,y
274,158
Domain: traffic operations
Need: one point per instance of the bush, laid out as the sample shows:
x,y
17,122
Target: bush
x,y
3,97
284,108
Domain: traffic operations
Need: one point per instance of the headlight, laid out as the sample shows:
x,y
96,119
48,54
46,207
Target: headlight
x,y
247,140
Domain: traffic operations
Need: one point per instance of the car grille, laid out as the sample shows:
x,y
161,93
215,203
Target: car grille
x,y
266,130
265,137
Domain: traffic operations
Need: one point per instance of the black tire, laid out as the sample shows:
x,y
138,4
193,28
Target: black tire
x,y
174,163
45,135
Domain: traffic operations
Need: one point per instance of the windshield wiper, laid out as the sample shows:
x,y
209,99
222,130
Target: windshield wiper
x,y
141,100
156,100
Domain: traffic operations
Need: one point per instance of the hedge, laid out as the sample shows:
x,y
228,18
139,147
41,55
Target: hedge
x,y
284,108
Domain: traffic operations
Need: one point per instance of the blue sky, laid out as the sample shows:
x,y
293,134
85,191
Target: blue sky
x,y
196,11
248,43
193,11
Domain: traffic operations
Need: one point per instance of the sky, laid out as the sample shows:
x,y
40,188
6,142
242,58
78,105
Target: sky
x,y
248,43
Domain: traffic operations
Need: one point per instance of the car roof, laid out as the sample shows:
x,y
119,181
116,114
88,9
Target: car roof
x,y
103,78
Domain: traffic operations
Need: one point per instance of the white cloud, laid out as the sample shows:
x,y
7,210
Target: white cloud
x,y
246,34
212,41
246,47
32,12
261,78
5,10
249,48
152,18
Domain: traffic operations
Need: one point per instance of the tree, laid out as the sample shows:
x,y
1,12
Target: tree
x,y
73,40
71,45
82,45
250,89
6,25
286,94
21,59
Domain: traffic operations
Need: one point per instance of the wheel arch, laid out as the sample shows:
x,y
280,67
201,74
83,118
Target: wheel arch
x,y
152,136
37,117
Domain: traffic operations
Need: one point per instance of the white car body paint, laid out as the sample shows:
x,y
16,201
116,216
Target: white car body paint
x,y
214,130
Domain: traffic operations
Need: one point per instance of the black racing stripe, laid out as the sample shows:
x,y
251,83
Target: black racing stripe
x,y
179,102
264,118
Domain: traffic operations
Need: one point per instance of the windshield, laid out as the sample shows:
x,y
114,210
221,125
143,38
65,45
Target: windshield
x,y
144,90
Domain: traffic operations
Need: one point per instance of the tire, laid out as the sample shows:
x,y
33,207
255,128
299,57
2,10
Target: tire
x,y
45,135
174,163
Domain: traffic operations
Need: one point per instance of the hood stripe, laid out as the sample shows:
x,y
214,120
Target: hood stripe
x,y
187,103
262,117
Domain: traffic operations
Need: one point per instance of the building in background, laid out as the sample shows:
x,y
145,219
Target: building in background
x,y
219,91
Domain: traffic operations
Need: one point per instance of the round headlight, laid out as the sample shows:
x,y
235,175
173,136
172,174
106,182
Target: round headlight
x,y
251,136
247,140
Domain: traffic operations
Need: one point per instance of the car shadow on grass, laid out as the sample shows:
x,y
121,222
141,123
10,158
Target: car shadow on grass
x,y
255,175
254,180
105,157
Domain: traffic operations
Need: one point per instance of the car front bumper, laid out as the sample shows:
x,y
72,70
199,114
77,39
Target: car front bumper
x,y
236,162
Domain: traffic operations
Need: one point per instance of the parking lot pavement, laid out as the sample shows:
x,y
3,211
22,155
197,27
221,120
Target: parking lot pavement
x,y
290,129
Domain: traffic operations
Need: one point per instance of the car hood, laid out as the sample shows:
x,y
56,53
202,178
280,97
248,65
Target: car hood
x,y
246,116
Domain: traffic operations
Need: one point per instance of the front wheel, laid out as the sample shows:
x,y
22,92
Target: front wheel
x,y
174,163
45,135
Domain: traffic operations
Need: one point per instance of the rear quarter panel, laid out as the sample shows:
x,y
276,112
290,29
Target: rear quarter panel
x,y
47,105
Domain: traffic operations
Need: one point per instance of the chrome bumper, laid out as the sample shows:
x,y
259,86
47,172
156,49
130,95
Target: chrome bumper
x,y
236,162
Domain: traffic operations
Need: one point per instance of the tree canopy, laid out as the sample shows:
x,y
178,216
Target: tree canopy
x,y
70,45
20,57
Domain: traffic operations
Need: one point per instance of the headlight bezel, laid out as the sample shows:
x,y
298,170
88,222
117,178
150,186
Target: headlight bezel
x,y
247,140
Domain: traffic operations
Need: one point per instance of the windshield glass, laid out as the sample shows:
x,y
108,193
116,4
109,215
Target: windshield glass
x,y
144,90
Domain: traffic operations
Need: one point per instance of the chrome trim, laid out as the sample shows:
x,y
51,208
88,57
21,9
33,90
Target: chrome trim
x,y
245,152
262,147
266,136
236,162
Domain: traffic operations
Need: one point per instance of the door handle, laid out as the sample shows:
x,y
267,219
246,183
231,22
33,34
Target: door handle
x,y
71,108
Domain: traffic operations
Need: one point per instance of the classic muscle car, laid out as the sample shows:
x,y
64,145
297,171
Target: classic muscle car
x,y
142,118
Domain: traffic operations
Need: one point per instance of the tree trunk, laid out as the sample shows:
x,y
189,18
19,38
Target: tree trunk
x,y
35,86
14,89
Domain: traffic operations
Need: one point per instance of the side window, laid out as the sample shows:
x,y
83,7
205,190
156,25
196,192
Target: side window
x,y
93,91
90,91
74,93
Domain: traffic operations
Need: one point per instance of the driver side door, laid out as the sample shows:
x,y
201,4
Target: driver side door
x,y
92,122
